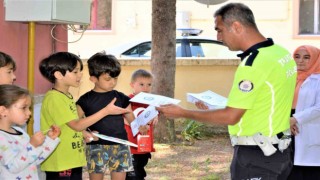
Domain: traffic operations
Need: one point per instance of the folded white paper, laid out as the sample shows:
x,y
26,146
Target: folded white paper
x,y
113,139
209,98
153,99
147,115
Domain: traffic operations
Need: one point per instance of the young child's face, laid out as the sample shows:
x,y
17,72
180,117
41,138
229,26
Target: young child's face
x,y
105,83
73,78
7,75
141,84
19,113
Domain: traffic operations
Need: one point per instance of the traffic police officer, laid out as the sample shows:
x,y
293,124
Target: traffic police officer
x,y
259,102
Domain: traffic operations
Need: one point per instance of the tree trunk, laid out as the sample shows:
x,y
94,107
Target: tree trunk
x,y
163,61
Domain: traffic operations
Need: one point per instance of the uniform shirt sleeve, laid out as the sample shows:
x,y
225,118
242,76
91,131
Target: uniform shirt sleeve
x,y
248,80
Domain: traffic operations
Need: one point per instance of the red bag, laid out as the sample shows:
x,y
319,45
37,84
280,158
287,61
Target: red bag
x,y
144,143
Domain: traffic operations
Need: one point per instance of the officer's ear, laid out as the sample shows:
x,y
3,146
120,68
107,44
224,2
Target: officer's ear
x,y
237,27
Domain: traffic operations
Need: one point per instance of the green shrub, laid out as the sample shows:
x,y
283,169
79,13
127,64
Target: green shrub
x,y
191,131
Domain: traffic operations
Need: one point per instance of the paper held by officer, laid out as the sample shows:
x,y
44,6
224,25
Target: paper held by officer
x,y
209,98
153,99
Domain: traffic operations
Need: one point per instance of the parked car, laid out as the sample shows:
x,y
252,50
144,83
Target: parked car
x,y
187,45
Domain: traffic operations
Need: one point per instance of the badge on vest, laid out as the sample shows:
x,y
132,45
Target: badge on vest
x,y
245,86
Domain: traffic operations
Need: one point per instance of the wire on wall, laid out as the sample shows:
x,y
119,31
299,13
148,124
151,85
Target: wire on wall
x,y
70,27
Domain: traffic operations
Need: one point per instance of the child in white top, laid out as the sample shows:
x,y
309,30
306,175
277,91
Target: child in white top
x,y
19,153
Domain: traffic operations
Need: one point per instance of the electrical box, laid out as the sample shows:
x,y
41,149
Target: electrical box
x,y
48,11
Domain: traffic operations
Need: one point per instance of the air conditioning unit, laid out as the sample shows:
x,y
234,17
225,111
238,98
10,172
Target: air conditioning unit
x,y
49,11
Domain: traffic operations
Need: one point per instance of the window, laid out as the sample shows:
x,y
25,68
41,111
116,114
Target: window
x,y
101,15
309,17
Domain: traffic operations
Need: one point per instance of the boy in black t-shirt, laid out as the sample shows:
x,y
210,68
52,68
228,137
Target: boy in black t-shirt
x,y
104,71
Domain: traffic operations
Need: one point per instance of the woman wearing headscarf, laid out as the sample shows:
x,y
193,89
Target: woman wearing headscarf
x,y
305,120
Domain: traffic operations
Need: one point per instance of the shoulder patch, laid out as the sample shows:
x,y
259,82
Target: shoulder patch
x,y
245,86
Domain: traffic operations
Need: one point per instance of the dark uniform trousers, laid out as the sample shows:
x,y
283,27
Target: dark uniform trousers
x,y
249,163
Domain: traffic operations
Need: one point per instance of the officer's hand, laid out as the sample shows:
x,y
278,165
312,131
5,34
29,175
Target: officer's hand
x,y
201,105
171,110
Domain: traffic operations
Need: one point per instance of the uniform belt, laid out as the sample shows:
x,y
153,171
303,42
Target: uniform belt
x,y
249,140
265,143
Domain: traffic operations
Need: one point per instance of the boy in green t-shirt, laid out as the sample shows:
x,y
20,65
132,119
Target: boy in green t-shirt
x,y
63,69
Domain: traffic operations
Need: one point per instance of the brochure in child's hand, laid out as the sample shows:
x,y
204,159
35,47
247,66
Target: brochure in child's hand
x,y
153,99
209,98
147,115
113,139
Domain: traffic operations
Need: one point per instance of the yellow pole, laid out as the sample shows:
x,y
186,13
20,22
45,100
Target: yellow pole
x,y
31,47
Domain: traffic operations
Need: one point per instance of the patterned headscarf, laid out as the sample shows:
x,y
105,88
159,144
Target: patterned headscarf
x,y
313,68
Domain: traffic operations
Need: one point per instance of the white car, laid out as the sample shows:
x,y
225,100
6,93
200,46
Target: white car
x,y
187,45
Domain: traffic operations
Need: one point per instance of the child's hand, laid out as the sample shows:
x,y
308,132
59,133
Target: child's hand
x,y
88,136
37,139
112,109
154,121
54,132
144,129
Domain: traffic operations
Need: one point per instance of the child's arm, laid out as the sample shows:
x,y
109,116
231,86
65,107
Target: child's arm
x,y
48,147
129,117
82,123
126,121
50,143
87,136
17,156
154,121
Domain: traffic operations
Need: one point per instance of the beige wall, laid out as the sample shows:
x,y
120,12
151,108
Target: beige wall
x,y
193,76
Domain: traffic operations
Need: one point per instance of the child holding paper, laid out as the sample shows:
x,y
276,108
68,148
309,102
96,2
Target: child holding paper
x,y
63,69
104,71
141,81
19,153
